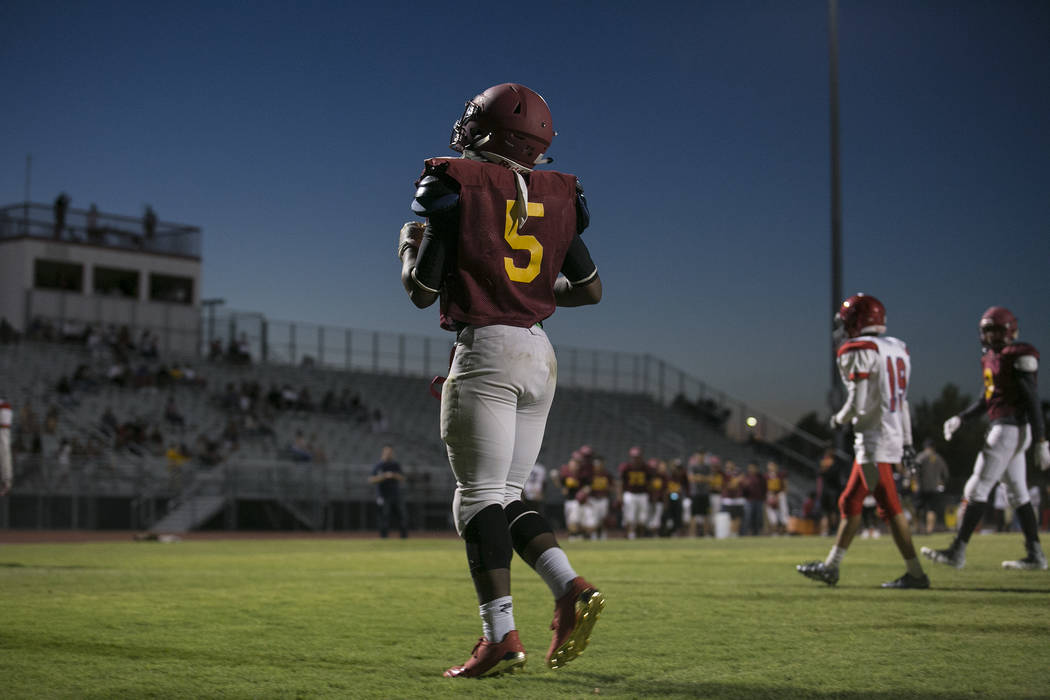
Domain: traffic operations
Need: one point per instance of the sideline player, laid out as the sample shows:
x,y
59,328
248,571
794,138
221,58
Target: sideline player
x,y
876,370
6,470
497,235
1011,401
634,492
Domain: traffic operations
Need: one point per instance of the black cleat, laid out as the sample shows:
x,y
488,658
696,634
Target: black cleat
x,y
909,581
818,571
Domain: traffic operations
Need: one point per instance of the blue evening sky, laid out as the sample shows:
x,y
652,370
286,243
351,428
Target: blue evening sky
x,y
292,133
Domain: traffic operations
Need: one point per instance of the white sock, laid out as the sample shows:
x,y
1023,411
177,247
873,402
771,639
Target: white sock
x,y
554,568
914,567
497,618
835,557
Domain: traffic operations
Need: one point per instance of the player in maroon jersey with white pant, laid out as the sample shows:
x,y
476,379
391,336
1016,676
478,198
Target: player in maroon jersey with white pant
x,y
1011,401
6,472
497,235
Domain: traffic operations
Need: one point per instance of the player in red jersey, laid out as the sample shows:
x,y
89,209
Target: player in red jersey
x,y
1011,401
6,471
501,248
876,370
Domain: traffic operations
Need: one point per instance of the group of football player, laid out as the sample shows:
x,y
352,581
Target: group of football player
x,y
876,370
658,497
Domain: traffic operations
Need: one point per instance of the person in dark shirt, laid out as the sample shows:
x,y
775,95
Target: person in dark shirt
x,y
387,476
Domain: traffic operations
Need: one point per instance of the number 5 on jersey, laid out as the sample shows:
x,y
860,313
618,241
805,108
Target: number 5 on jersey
x,y
518,241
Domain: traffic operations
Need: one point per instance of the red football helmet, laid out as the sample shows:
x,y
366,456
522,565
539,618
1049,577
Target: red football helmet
x,y
998,327
860,314
509,120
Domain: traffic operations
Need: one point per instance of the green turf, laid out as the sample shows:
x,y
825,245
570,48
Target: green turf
x,y
382,619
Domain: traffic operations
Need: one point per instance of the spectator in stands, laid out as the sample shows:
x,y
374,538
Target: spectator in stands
x,y
61,206
379,421
94,233
149,224
317,451
215,350
305,401
108,422
176,456
388,477
328,402
299,450
754,487
8,334
171,413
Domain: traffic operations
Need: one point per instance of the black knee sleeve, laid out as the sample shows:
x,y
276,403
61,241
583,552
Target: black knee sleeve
x,y
488,540
525,524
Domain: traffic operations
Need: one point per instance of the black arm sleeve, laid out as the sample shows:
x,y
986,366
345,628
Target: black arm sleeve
x,y
1030,398
578,267
436,252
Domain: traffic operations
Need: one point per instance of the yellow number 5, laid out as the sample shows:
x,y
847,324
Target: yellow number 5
x,y
519,242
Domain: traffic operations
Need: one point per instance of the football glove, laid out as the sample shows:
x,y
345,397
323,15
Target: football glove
x,y
1042,454
950,426
411,236
833,422
908,461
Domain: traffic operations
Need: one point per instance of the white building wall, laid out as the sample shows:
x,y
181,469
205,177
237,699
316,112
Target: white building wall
x,y
177,324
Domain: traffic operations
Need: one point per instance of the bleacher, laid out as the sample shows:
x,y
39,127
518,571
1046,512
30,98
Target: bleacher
x,y
261,467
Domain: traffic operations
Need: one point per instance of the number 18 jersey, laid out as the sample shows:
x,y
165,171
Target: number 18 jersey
x,y
881,428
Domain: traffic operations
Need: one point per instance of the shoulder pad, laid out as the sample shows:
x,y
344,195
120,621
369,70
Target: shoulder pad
x,y
1019,349
854,345
1027,363
583,213
435,193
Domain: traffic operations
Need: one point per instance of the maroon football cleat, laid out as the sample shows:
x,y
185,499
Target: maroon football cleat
x,y
491,658
574,616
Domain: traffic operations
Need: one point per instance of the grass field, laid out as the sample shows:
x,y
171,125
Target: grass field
x,y
360,618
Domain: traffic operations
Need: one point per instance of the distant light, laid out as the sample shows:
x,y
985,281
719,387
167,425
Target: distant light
x,y
751,421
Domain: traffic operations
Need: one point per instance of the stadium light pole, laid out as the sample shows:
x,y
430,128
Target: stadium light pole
x,y
835,394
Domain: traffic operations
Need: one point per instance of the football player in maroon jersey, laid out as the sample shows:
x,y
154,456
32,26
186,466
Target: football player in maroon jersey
x,y
501,248
5,447
1011,401
634,492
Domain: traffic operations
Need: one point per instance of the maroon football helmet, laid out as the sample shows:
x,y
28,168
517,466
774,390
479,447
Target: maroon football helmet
x,y
998,327
860,314
509,120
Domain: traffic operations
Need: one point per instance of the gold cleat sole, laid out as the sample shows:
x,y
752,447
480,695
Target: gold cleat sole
x,y
588,607
510,663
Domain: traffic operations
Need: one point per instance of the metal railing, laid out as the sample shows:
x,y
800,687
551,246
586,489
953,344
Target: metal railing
x,y
34,220
285,342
